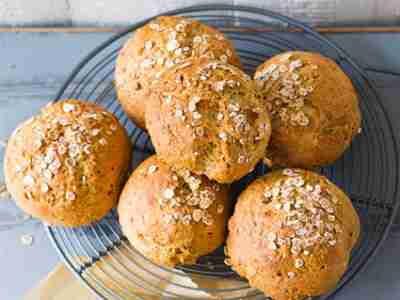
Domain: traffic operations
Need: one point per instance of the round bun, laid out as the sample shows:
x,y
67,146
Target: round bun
x,y
314,109
161,44
291,234
172,217
66,166
207,117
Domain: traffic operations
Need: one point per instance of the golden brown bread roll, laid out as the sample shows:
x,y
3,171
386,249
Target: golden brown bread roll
x,y
67,164
291,234
158,45
207,117
314,109
172,216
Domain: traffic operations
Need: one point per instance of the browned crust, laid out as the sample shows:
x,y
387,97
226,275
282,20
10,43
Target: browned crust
x,y
332,110
267,269
144,220
104,166
235,125
134,82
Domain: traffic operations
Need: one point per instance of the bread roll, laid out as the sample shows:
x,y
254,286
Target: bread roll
x,y
172,216
66,165
314,109
291,234
159,45
206,116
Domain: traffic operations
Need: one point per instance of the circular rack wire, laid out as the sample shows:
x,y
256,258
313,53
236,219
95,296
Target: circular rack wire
x,y
101,256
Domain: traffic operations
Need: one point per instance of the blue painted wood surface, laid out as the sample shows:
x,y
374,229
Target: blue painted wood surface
x,y
33,67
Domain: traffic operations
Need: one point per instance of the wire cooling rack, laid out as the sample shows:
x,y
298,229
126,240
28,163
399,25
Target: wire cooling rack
x,y
101,256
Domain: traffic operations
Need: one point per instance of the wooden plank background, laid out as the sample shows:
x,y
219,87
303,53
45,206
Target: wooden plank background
x,y
35,64
115,29
36,58
122,12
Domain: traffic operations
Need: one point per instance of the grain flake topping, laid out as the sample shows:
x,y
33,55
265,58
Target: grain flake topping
x,y
26,239
235,116
183,40
4,194
288,101
60,145
308,216
193,199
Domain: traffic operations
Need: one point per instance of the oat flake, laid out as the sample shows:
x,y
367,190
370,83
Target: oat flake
x,y
4,194
272,246
332,242
172,45
44,188
223,58
197,215
26,240
28,180
113,127
167,99
152,169
168,193
180,27
207,219
68,107
3,143
298,263
196,115
95,132
192,106
197,39
155,26
148,45
47,174
223,136
70,196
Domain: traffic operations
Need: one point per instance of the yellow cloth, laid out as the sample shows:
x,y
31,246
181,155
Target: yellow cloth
x,y
61,284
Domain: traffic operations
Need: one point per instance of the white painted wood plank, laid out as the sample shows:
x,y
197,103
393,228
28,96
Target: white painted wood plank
x,y
27,12
333,11
371,11
111,12
309,11
121,12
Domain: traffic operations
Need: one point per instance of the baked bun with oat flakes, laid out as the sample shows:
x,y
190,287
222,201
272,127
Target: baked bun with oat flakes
x,y
172,216
66,166
158,45
206,116
291,234
314,109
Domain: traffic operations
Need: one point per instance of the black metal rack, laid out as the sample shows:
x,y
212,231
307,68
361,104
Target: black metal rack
x,y
368,172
